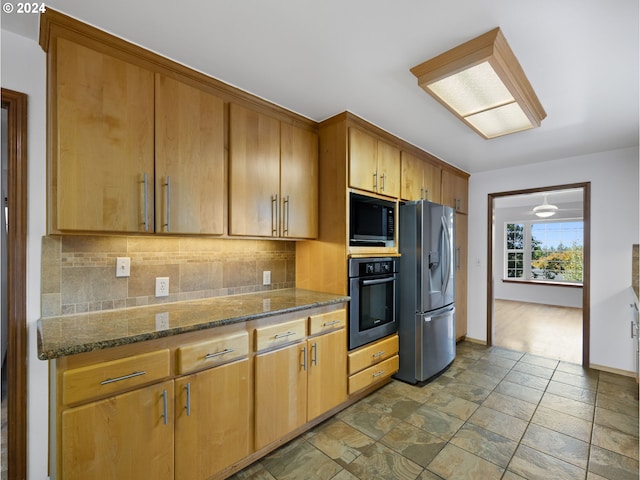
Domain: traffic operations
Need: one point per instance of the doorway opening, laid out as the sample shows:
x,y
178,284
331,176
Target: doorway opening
x,y
14,238
538,271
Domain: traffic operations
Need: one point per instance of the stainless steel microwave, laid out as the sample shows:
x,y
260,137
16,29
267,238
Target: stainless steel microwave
x,y
372,221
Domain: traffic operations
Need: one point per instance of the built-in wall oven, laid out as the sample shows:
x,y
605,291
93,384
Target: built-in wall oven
x,y
373,307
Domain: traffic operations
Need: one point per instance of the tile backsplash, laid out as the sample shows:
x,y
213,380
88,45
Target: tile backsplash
x,y
79,272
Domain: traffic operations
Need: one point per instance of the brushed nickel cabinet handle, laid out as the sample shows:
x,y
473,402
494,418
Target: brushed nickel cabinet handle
x,y
168,208
328,324
304,359
384,176
285,216
274,215
218,354
283,335
124,377
145,202
165,407
314,356
376,355
382,372
188,406
375,181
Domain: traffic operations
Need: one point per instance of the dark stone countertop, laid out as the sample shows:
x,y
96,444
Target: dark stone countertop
x,y
72,334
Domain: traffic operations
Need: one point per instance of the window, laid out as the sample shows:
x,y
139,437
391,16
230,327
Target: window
x,y
515,250
554,251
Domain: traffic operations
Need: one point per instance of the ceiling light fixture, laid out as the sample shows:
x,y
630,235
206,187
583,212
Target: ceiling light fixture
x,y
545,210
483,84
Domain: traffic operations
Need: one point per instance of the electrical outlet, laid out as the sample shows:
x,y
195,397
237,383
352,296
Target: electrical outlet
x,y
123,266
266,277
162,286
162,321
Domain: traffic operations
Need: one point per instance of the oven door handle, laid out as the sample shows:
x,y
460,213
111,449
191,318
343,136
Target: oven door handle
x,y
378,281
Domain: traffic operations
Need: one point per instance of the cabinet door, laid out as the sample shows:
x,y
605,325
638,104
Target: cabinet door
x,y
454,191
101,143
254,173
280,393
212,420
412,186
298,182
431,182
461,276
388,169
327,380
363,164
126,436
190,167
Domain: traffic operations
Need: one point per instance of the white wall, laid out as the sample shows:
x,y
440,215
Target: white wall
x,y
24,70
614,178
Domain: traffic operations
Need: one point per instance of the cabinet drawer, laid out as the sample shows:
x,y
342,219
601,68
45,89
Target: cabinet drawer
x,y
212,352
107,378
327,321
280,334
372,354
373,374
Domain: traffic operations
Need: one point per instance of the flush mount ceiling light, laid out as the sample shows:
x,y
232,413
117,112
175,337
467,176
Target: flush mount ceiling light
x,y
545,210
483,84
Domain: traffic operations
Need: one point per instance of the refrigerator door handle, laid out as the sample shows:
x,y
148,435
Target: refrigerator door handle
x,y
448,251
440,313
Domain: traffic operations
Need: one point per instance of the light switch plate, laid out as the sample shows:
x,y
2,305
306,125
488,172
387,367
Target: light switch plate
x,y
123,266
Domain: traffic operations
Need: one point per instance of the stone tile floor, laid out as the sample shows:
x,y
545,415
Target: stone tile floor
x,y
494,414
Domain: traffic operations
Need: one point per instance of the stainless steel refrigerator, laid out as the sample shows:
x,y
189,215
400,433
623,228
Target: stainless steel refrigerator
x,y
426,286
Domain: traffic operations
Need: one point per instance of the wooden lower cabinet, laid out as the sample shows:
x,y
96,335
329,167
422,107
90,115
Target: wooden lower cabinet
x,y
280,393
373,363
212,420
125,436
298,383
327,379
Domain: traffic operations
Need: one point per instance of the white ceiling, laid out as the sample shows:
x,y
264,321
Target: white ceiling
x,y
520,207
321,57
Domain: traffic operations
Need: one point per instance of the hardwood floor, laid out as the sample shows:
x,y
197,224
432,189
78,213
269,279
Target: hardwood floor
x,y
546,330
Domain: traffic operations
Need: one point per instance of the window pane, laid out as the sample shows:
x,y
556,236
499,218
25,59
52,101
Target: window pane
x,y
556,251
515,236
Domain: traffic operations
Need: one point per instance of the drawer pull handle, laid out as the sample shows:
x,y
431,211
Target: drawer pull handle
x,y
379,354
328,324
382,372
217,354
124,377
283,335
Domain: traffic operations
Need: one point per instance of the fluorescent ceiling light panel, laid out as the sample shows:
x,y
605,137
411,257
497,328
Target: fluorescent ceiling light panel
x,y
482,83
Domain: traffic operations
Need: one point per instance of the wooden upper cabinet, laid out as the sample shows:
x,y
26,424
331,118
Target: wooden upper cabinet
x,y
374,165
273,177
298,182
101,140
190,183
455,191
420,179
388,169
254,172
